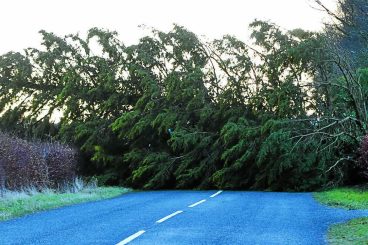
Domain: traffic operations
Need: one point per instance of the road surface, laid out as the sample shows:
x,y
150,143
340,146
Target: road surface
x,y
182,217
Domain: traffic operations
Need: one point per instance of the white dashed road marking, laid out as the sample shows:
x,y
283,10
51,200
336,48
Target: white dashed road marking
x,y
137,234
169,216
197,203
131,238
217,193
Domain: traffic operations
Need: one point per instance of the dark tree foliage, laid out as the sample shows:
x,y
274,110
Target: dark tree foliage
x,y
348,30
175,112
345,85
355,28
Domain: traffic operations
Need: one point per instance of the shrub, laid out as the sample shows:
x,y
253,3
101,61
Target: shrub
x,y
24,163
2,178
363,157
61,162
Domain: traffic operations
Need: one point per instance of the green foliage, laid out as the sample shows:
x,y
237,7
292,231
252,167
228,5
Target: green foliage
x,y
175,112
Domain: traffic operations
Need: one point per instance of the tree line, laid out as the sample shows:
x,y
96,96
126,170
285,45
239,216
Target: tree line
x,y
287,112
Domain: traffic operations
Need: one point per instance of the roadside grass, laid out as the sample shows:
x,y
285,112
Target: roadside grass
x,y
354,231
349,198
15,204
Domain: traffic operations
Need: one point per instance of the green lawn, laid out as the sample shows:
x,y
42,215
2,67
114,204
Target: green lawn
x,y
354,231
15,204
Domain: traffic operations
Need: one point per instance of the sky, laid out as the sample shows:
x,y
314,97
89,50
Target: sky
x,y
20,20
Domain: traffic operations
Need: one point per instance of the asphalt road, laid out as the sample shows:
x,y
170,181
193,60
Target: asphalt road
x,y
182,217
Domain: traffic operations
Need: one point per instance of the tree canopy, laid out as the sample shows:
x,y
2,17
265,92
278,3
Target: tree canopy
x,y
173,111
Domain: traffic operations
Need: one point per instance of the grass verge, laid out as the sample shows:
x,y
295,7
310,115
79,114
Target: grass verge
x,y
354,231
15,204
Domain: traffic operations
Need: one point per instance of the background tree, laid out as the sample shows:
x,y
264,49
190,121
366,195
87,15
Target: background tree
x,y
172,111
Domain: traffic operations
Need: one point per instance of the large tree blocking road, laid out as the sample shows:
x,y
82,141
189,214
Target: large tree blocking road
x,y
182,217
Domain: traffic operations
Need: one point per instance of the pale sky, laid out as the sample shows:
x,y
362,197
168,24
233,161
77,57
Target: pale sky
x,y
20,20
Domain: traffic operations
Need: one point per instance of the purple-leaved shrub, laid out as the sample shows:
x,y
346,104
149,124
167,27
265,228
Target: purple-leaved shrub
x,y
61,162
363,156
2,177
25,163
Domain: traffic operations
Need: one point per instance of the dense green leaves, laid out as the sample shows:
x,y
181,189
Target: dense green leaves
x,y
175,112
